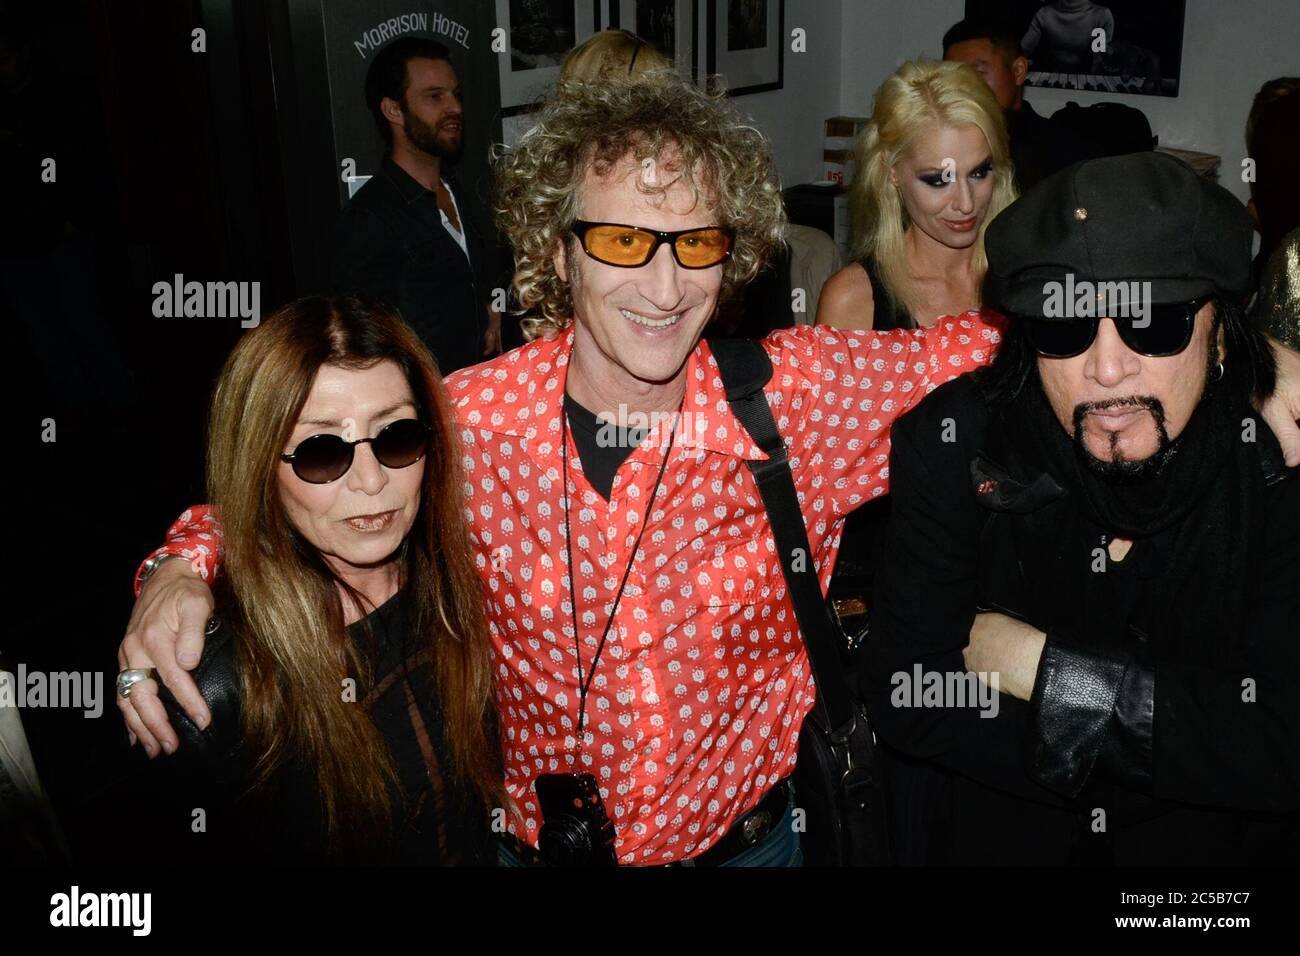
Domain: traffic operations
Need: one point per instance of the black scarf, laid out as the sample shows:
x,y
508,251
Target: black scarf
x,y
1204,497
1140,508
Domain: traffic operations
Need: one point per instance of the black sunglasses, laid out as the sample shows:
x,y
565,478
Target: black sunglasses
x,y
320,459
629,247
1167,331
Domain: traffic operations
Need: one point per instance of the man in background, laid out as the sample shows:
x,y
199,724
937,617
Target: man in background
x,y
1039,145
402,238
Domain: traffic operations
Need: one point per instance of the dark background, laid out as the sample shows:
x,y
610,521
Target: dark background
x,y
222,165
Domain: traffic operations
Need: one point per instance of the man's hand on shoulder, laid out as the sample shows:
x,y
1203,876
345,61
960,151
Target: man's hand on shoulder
x,y
165,632
1282,410
492,337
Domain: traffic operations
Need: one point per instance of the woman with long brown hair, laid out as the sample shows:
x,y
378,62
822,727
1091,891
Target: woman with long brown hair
x,y
348,663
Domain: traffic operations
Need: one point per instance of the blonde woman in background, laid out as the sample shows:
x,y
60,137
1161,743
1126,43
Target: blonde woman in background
x,y
933,169
612,55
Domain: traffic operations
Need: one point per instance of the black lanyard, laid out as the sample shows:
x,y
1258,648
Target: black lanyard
x,y
585,685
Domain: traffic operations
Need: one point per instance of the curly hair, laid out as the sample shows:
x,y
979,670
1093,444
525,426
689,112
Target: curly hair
x,y
724,161
920,96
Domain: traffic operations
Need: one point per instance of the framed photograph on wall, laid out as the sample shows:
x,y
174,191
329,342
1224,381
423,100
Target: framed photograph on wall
x,y
667,25
746,44
540,33
1117,46
514,127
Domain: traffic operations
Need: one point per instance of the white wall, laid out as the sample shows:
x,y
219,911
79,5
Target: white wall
x,y
793,117
1229,49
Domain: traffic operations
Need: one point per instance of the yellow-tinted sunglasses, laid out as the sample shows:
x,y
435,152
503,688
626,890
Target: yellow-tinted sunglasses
x,y
628,247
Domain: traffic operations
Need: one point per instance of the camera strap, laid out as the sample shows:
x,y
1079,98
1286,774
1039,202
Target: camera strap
x,y
585,685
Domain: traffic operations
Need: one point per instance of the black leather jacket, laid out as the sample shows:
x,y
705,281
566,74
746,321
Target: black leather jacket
x,y
434,821
216,749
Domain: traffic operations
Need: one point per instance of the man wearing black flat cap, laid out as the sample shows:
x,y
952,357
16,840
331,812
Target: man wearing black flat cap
x,y
1102,526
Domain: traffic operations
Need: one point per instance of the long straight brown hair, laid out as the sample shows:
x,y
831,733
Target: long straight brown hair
x,y
292,648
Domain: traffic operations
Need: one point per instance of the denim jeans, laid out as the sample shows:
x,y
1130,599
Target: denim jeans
x,y
779,848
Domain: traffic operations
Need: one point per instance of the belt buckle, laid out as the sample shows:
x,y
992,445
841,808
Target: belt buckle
x,y
846,609
759,823
755,827
849,607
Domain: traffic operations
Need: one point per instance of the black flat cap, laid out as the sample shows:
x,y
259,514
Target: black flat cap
x,y
1143,217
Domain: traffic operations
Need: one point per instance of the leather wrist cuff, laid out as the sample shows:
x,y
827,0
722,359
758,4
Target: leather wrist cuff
x,y
1126,758
1070,713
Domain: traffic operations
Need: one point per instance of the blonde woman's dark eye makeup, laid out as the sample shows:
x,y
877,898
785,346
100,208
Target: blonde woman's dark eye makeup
x,y
935,177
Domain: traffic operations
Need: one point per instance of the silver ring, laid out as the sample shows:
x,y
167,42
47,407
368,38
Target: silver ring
x,y
132,676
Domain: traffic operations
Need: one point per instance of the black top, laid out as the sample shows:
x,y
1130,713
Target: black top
x,y
390,245
433,823
1188,772
887,312
1040,146
602,446
862,546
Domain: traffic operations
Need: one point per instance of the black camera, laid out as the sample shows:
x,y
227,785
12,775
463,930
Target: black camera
x,y
575,828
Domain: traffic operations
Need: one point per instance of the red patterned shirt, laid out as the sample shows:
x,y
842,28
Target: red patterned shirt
x,y
696,704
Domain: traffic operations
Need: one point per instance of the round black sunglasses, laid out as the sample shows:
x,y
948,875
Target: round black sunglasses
x,y
320,459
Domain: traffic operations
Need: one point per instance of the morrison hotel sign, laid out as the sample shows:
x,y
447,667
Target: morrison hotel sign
x,y
375,37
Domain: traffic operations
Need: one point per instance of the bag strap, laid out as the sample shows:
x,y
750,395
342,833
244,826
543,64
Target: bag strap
x,y
745,369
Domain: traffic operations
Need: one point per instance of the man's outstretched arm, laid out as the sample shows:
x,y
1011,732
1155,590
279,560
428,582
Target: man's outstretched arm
x,y
1282,410
166,629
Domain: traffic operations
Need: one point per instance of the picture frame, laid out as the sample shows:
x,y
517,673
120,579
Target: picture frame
x,y
745,40
671,26
514,126
1141,54
539,33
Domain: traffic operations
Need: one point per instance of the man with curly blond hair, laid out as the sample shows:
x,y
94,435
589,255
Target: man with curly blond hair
x,y
662,682
671,669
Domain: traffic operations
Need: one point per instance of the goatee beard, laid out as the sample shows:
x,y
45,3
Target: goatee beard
x,y
1116,468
